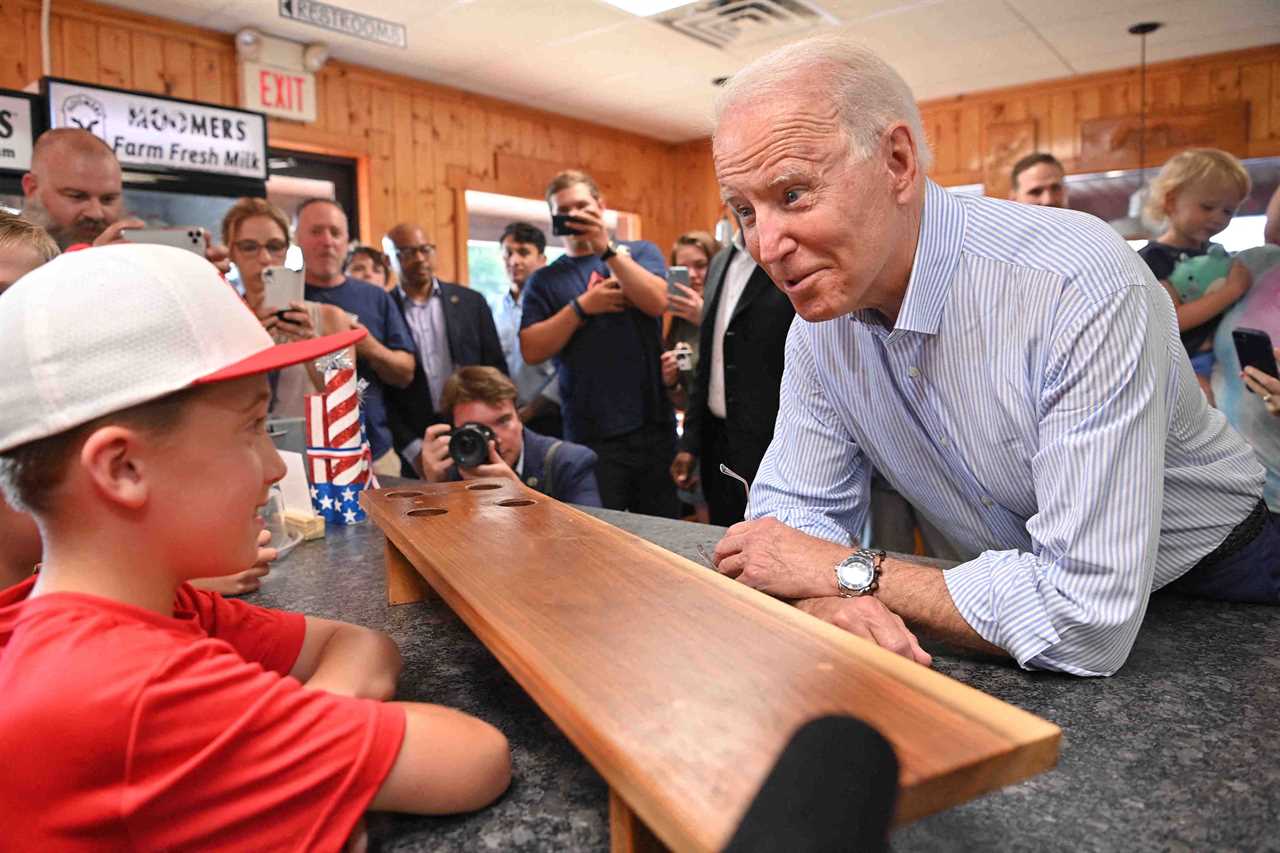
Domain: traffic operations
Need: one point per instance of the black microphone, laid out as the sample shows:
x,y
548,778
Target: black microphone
x,y
833,788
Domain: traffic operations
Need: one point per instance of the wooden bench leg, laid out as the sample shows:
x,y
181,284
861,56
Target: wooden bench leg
x,y
627,833
404,584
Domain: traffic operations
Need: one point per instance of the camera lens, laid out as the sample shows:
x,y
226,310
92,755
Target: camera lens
x,y
469,445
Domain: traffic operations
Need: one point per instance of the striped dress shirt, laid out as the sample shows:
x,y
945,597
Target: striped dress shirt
x,y
1034,402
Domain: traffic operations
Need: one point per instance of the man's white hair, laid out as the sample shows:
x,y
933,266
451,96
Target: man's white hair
x,y
869,95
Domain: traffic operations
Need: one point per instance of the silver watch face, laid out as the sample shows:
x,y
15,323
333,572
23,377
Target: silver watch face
x,y
855,573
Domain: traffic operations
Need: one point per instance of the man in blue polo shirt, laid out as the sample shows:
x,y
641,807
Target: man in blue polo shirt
x,y
386,354
596,310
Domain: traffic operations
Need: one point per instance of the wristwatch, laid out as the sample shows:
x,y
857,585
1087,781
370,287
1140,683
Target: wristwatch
x,y
859,573
614,249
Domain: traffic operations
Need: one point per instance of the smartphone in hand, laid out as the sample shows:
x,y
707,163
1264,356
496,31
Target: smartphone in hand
x,y
1253,347
677,276
189,237
561,225
282,287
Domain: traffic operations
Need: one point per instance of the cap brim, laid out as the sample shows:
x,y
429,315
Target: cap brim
x,y
284,355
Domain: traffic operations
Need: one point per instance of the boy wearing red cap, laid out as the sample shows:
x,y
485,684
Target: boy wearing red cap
x,y
140,712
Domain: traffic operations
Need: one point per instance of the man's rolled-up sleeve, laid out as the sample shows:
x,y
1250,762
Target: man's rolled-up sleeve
x,y
1075,603
813,476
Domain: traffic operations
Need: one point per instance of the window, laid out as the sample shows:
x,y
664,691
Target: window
x,y
487,272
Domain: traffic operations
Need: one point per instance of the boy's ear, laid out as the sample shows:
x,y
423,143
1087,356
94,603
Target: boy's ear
x,y
111,459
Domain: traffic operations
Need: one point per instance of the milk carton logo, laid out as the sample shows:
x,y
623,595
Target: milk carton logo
x,y
85,112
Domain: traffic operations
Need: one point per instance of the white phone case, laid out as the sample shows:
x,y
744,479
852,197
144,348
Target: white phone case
x,y
281,286
190,238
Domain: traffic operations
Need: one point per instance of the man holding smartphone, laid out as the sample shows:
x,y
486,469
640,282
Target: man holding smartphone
x,y
75,192
596,311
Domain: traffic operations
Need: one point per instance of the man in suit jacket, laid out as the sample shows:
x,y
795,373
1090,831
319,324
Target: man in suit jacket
x,y
451,327
734,401
484,396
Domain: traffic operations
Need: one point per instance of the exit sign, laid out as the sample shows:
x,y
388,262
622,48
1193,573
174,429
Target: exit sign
x,y
282,92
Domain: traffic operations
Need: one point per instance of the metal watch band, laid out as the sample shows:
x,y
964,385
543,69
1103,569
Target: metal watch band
x,y
875,558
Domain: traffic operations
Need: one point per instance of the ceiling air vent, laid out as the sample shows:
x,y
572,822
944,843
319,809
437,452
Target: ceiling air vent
x,y
729,24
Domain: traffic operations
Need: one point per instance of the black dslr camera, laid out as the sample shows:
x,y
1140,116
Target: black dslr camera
x,y
469,444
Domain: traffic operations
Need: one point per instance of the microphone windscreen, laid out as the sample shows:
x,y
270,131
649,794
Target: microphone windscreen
x,y
833,788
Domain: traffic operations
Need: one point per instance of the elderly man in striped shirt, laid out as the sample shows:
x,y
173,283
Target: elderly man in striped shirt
x,y
1015,372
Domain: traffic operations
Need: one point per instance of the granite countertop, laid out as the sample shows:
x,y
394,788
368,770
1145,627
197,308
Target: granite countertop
x,y
1178,751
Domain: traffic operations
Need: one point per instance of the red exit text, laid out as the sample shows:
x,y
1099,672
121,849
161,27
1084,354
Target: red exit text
x,y
281,91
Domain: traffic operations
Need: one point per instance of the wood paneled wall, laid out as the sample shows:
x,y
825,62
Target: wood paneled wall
x,y
977,138
419,146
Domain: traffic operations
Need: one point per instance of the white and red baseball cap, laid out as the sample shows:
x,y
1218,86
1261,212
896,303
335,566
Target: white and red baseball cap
x,y
99,330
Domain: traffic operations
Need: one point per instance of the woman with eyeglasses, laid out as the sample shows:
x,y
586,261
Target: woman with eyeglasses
x,y
257,234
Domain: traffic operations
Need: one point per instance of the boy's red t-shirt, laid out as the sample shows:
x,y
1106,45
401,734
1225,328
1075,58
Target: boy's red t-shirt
x,y
121,728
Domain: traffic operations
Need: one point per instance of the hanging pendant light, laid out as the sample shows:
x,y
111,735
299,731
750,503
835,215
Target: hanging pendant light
x,y
1131,226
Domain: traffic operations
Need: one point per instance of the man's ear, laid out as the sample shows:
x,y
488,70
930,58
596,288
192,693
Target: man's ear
x,y
111,459
899,151
29,184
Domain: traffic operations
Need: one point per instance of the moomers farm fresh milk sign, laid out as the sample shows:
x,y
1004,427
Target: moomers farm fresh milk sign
x,y
163,133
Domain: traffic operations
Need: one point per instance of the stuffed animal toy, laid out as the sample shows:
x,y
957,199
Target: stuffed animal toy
x,y
1194,277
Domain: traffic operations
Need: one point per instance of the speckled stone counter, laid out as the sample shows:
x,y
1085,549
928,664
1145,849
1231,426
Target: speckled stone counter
x,y
1179,751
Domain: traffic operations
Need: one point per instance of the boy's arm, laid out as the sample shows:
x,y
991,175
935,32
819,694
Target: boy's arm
x,y
346,659
448,762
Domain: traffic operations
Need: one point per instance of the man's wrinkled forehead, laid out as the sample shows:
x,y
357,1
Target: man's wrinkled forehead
x,y
756,148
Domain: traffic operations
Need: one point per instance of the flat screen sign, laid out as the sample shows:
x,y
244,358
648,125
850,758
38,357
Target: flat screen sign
x,y
16,116
163,133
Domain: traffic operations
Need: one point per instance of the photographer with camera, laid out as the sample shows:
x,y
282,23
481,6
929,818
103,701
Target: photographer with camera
x,y
486,439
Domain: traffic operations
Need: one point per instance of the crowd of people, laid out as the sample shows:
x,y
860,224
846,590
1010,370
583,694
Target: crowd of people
x,y
1048,408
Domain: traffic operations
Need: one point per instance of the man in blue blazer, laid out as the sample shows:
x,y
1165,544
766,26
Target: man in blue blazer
x,y
452,327
485,396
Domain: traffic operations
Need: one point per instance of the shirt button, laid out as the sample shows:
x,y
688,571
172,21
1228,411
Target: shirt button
x,y
913,372
986,501
944,441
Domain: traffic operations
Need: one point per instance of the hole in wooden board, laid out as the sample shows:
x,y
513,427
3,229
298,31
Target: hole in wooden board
x,y
517,502
404,494
426,512
483,487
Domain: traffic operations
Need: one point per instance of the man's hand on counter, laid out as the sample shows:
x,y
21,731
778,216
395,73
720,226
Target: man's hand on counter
x,y
779,560
869,618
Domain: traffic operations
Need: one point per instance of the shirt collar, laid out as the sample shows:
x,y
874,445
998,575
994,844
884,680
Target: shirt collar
x,y
934,265
435,291
520,464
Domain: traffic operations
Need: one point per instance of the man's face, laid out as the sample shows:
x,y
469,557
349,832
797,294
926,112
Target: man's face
x,y
73,195
15,262
212,475
822,224
1042,184
417,256
569,201
322,236
502,419
521,260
